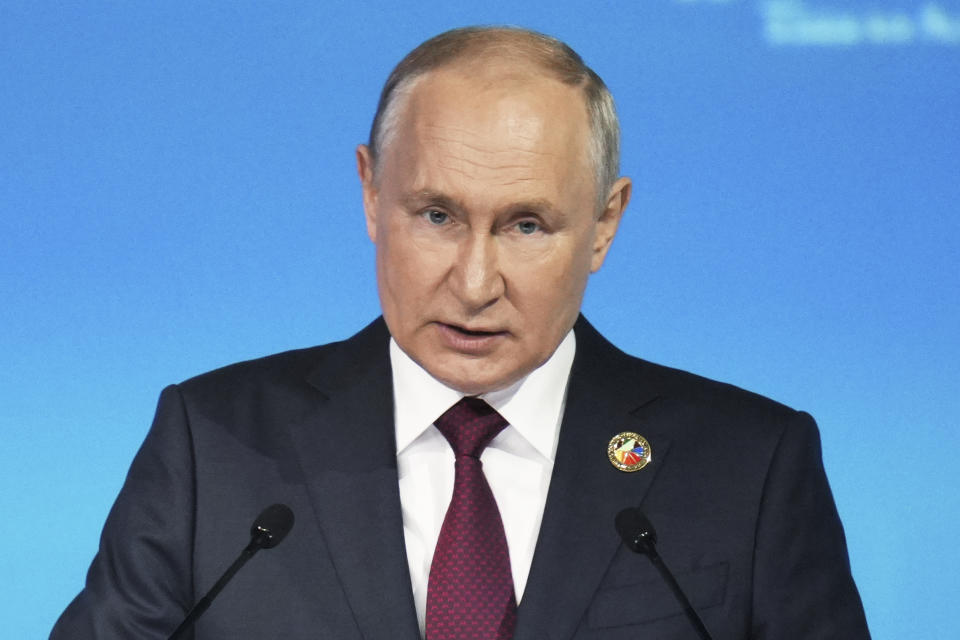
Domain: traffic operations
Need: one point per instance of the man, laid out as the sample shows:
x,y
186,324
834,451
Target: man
x,y
490,189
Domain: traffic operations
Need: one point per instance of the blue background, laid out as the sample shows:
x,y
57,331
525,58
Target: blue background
x,y
177,192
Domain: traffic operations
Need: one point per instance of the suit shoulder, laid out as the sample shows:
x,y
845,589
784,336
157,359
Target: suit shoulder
x,y
278,368
688,398
288,371
700,390
716,420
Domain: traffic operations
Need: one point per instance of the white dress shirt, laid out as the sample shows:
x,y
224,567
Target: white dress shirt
x,y
517,463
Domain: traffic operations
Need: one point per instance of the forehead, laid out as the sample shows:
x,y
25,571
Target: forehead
x,y
490,127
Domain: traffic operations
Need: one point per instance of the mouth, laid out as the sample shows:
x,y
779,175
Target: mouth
x,y
473,340
472,332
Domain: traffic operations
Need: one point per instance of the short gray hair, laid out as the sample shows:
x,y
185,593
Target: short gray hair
x,y
551,55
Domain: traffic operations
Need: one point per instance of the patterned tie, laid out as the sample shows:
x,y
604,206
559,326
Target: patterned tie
x,y
470,591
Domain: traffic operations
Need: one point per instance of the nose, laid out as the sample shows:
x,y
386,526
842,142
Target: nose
x,y
476,279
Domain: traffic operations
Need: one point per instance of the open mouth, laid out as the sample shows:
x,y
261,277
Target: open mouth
x,y
474,342
472,333
468,332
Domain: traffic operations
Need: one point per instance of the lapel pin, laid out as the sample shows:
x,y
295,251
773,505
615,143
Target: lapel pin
x,y
629,451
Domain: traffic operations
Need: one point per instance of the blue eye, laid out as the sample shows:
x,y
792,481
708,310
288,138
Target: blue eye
x,y
436,217
528,227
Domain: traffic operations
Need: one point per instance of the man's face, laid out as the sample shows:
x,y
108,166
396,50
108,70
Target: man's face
x,y
484,214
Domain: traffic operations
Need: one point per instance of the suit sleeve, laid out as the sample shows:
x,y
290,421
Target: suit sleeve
x,y
803,587
139,584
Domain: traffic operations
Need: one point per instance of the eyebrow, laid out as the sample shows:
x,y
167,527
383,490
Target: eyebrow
x,y
417,199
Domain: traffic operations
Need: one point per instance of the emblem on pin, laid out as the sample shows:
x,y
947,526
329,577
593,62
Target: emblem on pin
x,y
629,451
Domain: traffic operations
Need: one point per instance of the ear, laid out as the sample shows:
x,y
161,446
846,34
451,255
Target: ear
x,y
609,220
365,171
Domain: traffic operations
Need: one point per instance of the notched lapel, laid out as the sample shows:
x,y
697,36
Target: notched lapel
x,y
577,537
347,453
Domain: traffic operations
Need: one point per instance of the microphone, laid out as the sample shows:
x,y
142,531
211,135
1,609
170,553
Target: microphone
x,y
639,535
271,526
268,530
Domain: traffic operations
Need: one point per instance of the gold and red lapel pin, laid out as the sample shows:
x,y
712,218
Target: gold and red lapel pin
x,y
629,451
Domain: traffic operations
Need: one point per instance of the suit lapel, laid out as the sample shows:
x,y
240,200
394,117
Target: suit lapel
x,y
577,537
346,450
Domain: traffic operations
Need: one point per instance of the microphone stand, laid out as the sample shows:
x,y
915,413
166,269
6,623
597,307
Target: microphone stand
x,y
268,530
640,536
680,595
204,603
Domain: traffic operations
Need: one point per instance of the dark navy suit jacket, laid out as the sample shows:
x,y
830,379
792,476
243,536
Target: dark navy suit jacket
x,y
736,490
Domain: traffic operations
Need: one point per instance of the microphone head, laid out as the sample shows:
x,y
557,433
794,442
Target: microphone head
x,y
272,526
636,531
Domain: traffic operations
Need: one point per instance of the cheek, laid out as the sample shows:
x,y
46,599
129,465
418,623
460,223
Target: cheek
x,y
552,288
392,268
408,268
570,262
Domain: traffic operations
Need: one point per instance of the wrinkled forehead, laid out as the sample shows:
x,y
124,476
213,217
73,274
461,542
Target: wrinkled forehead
x,y
492,135
497,107
502,72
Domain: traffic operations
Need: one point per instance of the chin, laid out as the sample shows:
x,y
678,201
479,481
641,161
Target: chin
x,y
478,382
470,385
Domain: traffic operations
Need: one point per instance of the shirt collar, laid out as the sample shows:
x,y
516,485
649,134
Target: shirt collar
x,y
533,405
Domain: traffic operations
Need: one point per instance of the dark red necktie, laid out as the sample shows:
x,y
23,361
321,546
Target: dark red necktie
x,y
470,591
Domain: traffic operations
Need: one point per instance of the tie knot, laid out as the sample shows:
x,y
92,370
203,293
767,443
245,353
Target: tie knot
x,y
469,426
